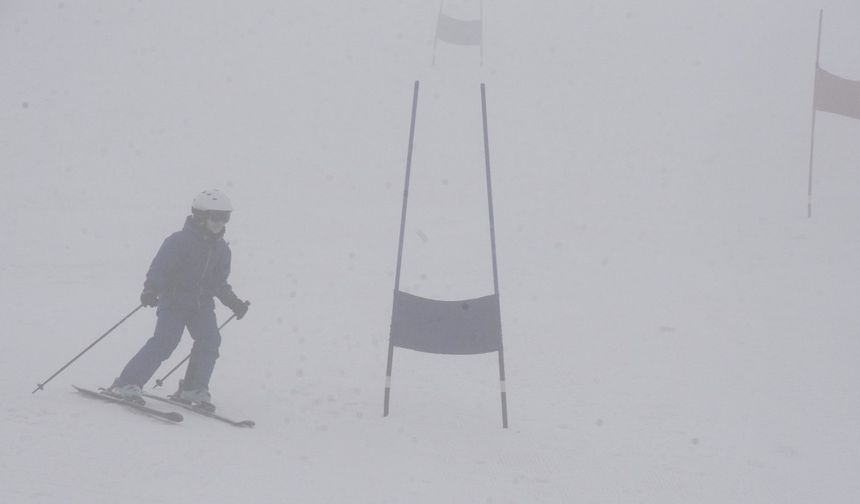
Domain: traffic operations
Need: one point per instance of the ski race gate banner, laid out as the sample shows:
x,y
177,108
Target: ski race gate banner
x,y
832,94
469,326
461,327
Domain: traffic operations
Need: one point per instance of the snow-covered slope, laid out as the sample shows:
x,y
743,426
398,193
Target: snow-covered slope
x,y
676,329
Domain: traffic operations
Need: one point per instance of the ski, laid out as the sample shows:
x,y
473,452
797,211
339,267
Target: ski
x,y
167,416
201,411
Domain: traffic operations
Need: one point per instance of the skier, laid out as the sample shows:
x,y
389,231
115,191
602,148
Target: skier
x,y
190,268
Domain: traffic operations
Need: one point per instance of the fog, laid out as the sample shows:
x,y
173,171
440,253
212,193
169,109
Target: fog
x,y
676,327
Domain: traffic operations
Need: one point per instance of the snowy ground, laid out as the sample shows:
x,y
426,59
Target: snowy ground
x,y
676,329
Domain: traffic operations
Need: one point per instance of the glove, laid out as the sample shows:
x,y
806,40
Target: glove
x,y
240,308
148,298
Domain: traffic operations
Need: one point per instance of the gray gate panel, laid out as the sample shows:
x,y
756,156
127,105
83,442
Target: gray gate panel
x,y
836,94
458,31
470,326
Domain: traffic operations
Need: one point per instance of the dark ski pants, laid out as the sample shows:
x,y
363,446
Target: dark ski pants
x,y
171,323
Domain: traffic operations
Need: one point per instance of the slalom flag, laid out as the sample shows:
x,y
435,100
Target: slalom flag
x,y
836,95
458,31
833,94
464,327
467,327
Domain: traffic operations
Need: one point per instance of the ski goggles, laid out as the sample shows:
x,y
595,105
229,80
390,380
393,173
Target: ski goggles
x,y
218,216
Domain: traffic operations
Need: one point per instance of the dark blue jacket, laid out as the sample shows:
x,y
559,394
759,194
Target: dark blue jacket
x,y
190,268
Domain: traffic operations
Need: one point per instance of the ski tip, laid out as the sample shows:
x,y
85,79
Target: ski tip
x,y
246,423
175,417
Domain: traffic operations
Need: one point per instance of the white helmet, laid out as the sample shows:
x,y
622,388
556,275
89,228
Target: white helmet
x,y
212,199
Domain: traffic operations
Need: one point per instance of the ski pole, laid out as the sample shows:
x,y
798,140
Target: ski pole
x,y
160,382
41,386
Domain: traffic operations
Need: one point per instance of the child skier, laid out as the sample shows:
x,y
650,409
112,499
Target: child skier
x,y
190,268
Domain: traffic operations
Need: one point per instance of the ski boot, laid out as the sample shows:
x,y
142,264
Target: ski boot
x,y
128,392
198,398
